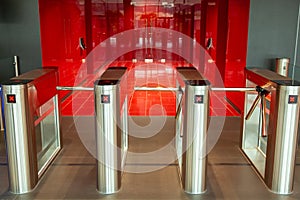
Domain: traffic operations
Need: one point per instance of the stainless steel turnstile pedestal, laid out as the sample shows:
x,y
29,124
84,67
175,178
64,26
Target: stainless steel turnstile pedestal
x,y
111,129
192,137
19,138
108,136
32,132
269,136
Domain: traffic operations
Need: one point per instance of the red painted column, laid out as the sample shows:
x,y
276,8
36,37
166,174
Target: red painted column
x,y
88,33
222,34
203,23
237,41
128,23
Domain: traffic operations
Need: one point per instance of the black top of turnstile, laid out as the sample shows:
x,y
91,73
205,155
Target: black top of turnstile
x,y
111,76
107,82
113,73
34,75
264,76
16,82
192,76
287,82
197,82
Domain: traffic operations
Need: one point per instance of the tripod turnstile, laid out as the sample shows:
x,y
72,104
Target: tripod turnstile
x,y
269,129
32,133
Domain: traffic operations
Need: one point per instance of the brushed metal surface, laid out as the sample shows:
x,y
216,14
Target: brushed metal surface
x,y
31,91
108,137
286,141
245,89
276,164
20,140
77,88
156,89
282,66
194,139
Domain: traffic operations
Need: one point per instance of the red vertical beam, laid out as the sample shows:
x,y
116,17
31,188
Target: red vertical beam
x,y
192,33
222,35
88,32
238,17
128,23
128,15
203,23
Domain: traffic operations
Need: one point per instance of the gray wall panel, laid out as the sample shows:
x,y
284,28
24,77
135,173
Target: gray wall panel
x,y
272,31
19,35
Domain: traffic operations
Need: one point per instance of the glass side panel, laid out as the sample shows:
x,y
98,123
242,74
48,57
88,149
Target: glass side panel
x,y
179,126
124,127
252,125
262,142
47,133
254,145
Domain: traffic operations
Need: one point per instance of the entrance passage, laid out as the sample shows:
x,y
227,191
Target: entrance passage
x,y
154,183
81,103
187,142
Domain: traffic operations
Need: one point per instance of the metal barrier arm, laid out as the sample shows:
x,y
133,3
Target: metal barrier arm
x,y
178,108
77,88
246,89
262,93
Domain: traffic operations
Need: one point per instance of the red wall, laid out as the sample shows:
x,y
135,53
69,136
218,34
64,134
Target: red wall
x,y
225,21
62,24
236,54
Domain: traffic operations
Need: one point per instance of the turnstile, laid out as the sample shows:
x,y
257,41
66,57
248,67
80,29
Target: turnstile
x,y
269,127
32,133
111,128
191,129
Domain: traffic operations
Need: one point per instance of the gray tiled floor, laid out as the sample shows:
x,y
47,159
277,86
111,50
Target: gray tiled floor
x,y
73,174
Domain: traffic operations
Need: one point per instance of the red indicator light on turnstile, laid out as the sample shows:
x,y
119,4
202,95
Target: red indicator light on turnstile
x,y
198,99
293,99
105,98
11,98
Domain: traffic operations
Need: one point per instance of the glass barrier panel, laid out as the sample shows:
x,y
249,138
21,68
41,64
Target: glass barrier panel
x,y
254,144
47,133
